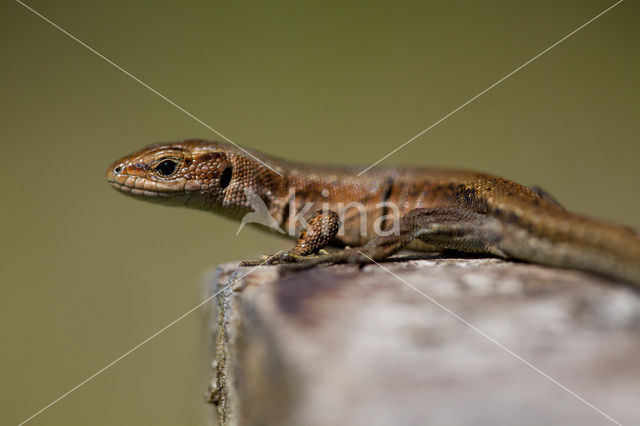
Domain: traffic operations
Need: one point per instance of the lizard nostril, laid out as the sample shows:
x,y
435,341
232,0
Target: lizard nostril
x,y
118,169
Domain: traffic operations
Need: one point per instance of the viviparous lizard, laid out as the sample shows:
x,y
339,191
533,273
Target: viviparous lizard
x,y
427,209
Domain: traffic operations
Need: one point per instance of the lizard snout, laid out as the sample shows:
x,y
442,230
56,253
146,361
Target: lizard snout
x,y
114,170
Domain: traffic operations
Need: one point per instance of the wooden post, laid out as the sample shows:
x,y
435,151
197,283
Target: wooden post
x,y
436,341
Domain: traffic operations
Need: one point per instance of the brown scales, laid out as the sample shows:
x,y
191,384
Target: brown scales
x,y
438,208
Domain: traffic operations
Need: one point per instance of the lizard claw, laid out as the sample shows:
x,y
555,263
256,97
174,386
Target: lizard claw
x,y
250,263
294,262
306,262
264,260
276,259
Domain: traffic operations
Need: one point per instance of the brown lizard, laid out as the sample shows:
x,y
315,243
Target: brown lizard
x,y
379,213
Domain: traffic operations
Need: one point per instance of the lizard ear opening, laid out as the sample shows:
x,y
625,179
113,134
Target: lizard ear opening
x,y
225,177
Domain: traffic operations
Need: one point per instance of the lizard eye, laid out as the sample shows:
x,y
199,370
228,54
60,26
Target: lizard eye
x,y
166,167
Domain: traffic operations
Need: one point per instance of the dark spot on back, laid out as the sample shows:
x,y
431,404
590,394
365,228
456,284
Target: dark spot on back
x,y
506,215
388,187
468,197
286,210
512,217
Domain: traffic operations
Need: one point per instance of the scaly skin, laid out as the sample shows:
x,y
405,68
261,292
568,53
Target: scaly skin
x,y
437,208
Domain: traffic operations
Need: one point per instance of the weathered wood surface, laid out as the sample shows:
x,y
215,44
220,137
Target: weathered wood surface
x,y
342,346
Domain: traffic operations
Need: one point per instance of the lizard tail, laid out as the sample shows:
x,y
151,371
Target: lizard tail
x,y
563,239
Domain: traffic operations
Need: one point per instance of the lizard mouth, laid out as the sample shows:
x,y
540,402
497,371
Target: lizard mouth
x,y
136,191
133,185
178,198
141,188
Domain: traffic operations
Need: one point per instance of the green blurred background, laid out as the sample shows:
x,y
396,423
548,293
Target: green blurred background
x,y
87,274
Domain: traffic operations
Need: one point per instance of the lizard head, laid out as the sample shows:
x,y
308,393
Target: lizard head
x,y
189,173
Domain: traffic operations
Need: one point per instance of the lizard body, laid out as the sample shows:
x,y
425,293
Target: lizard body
x,y
428,209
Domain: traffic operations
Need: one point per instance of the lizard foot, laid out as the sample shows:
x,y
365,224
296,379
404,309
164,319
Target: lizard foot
x,y
279,259
322,227
349,255
294,261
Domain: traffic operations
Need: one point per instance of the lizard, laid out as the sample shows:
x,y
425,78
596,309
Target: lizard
x,y
423,209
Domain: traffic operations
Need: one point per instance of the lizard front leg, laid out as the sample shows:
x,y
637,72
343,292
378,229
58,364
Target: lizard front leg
x,y
322,227
446,227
